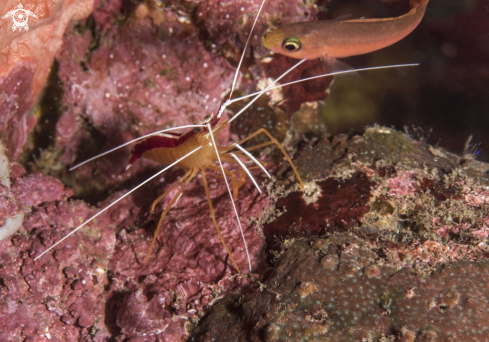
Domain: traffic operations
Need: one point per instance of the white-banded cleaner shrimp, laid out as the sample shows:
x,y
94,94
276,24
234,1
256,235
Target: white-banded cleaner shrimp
x,y
187,146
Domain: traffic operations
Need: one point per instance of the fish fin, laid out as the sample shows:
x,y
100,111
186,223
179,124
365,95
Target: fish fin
x,y
343,17
418,3
335,65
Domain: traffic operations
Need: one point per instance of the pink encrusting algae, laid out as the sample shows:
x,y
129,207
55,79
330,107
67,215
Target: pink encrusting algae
x,y
79,289
406,218
26,58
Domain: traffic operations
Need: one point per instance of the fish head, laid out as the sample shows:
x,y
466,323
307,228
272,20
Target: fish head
x,y
280,41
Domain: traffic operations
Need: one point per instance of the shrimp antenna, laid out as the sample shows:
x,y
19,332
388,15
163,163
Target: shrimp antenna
x,y
119,199
253,159
230,194
272,86
130,142
229,101
247,171
244,50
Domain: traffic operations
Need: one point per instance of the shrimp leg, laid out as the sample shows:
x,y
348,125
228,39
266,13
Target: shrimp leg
x,y
173,186
242,179
204,179
193,173
233,179
272,141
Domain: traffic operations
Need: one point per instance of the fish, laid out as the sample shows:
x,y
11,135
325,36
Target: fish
x,y
342,38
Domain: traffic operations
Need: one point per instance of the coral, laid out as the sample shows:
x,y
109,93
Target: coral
x,y
349,303
96,282
133,67
25,59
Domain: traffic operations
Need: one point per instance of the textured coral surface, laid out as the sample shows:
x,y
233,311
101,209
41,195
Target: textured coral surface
x,y
126,68
96,284
118,75
338,290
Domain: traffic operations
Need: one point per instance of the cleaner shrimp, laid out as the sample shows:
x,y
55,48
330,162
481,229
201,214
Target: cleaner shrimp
x,y
197,151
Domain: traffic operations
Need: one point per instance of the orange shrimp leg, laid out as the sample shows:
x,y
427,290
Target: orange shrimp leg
x,y
242,179
233,179
192,174
272,141
173,186
204,179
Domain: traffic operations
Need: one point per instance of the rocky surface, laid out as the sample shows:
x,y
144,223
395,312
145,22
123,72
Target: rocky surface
x,y
26,58
95,285
389,244
339,289
392,206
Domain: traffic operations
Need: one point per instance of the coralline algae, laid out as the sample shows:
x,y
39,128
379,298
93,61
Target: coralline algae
x,y
95,284
25,60
128,69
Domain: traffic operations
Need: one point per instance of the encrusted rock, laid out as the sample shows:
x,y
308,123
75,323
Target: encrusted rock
x,y
355,308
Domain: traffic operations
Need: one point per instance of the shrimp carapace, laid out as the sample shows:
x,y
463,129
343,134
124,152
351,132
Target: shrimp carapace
x,y
342,38
167,149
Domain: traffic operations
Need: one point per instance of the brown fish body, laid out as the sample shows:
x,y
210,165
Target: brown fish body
x,y
337,39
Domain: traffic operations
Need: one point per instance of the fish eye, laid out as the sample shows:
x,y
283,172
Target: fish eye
x,y
292,44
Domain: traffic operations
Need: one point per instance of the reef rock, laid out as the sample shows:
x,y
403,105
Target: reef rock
x,y
26,57
398,213
339,289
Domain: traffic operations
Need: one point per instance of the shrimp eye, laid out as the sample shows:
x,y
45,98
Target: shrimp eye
x,y
292,44
197,129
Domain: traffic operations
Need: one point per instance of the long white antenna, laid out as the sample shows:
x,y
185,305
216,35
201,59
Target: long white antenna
x,y
253,159
130,142
230,195
336,73
271,87
246,170
244,50
228,102
341,73
120,198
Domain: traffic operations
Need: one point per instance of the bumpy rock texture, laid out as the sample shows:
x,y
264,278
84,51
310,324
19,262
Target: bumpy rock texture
x,y
96,284
339,290
132,67
406,257
113,76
